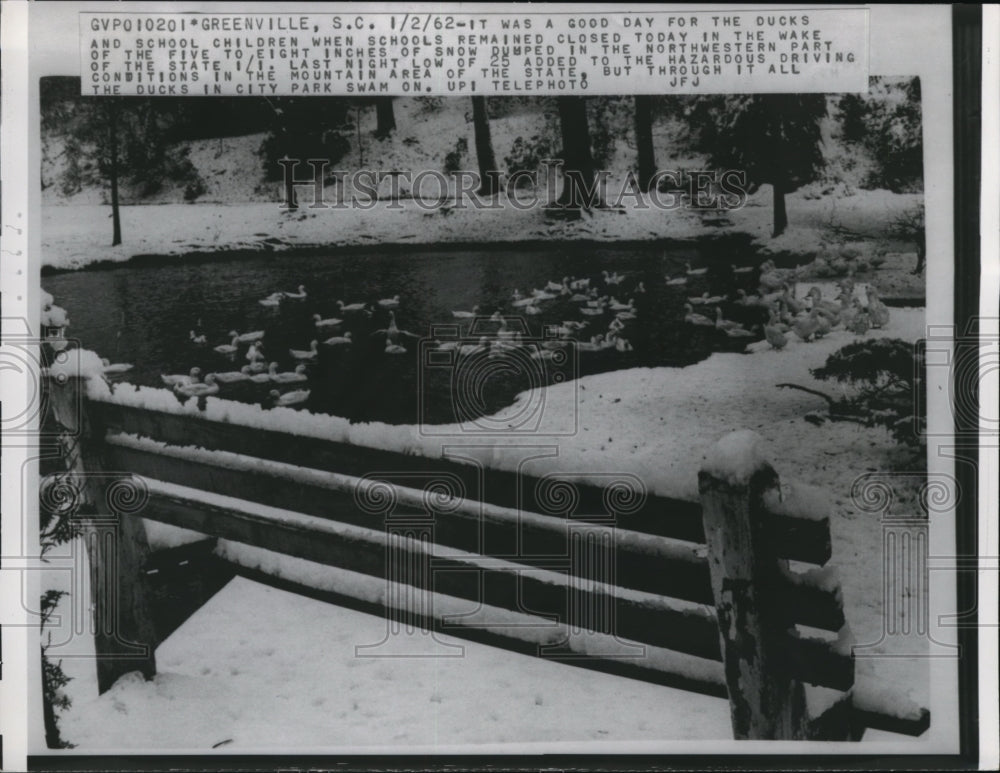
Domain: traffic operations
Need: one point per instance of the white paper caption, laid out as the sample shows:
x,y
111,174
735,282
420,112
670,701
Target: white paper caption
x,y
395,54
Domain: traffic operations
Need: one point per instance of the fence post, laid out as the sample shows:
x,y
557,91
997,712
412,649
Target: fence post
x,y
766,702
117,549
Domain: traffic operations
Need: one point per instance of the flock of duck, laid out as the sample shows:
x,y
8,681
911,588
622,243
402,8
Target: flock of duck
x,y
807,318
497,335
585,305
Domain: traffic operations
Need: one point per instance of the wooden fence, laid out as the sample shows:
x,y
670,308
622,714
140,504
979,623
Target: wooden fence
x,y
697,595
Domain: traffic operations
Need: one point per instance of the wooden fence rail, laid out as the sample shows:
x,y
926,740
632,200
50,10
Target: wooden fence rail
x,y
699,595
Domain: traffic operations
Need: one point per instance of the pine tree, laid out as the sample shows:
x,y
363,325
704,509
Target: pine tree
x,y
773,138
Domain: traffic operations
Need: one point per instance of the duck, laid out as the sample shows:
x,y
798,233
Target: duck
x,y
641,287
694,271
739,270
295,397
289,377
877,311
615,305
522,302
595,344
739,332
447,346
571,324
199,389
724,324
592,312
197,340
350,308
321,323
793,305
192,377
696,319
774,335
532,310
829,308
542,295
231,376
389,303
555,287
580,284
623,345
256,371
805,327
749,301
467,350
247,338
271,301
612,279
504,332
310,354
466,314
578,298
343,340
300,295
392,332
860,322
114,369
254,353
625,315
391,348
228,349
678,281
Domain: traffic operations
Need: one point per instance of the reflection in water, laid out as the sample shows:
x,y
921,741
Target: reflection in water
x,y
144,315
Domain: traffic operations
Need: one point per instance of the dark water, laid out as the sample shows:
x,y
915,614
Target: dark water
x,y
142,315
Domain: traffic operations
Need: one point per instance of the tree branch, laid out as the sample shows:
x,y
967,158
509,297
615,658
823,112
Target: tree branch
x,y
830,401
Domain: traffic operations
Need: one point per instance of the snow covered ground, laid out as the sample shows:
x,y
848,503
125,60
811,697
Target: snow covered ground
x,y
660,423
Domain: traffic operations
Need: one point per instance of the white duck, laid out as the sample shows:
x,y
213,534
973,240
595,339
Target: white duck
x,y
228,349
329,322
350,308
295,397
257,373
231,376
289,377
247,338
467,350
677,281
191,378
300,295
114,369
694,271
197,340
271,301
389,303
466,314
202,389
309,354
696,319
344,340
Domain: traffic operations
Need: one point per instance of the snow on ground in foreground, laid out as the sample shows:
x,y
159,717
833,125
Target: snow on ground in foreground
x,y
261,667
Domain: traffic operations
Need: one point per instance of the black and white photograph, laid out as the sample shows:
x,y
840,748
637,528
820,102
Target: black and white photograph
x,y
531,420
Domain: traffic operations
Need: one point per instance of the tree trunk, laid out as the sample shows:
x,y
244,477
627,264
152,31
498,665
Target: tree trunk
x,y
780,213
579,190
385,118
489,177
116,223
644,140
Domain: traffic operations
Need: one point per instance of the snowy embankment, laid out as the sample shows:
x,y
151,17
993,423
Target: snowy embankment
x,y
74,236
659,424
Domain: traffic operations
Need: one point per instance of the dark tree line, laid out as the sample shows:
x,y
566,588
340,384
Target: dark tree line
x,y
775,139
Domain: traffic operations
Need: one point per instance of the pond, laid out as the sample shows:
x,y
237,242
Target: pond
x,y
144,314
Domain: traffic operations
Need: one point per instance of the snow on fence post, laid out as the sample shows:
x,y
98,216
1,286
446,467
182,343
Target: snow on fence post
x,y
117,549
766,701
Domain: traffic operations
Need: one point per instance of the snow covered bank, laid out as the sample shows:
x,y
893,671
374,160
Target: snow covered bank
x,y
74,236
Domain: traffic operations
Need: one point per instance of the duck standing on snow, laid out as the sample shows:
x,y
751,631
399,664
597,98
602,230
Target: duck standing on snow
x,y
877,310
860,319
806,327
774,334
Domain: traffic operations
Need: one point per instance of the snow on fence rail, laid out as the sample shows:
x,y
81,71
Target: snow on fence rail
x,y
699,595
